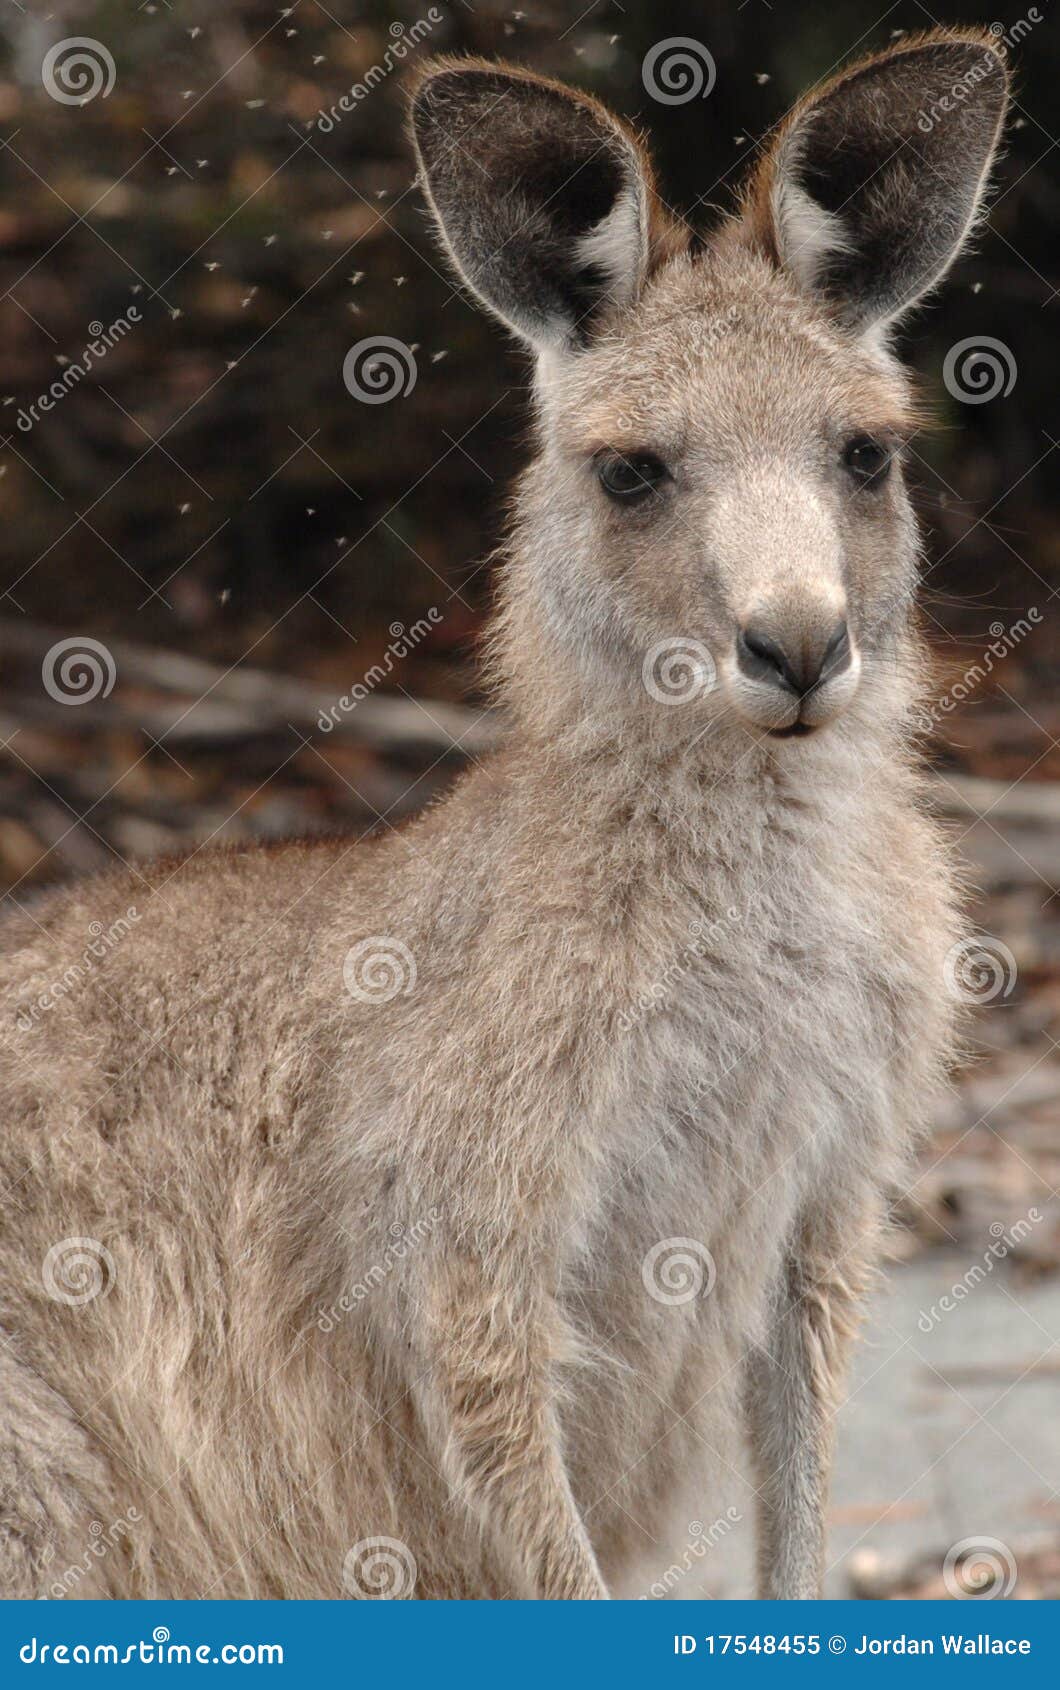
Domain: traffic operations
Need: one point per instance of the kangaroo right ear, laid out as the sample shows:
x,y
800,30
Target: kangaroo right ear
x,y
541,196
876,179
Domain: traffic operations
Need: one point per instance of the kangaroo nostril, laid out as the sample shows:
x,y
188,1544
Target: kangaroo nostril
x,y
836,655
764,660
799,670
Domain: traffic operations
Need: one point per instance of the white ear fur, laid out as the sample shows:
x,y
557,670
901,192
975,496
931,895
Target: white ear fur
x,y
807,235
618,244
542,199
876,183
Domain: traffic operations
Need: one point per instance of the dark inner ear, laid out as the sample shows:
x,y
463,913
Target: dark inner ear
x,y
901,173
519,171
576,196
848,181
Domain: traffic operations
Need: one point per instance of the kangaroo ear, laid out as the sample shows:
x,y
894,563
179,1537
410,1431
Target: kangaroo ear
x,y
541,196
875,180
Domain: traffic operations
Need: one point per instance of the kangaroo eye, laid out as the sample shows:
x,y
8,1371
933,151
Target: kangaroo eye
x,y
867,460
630,475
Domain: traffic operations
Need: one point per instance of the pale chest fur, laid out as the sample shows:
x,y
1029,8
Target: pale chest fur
x,y
783,1041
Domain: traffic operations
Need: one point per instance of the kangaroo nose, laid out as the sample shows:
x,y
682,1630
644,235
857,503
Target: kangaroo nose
x,y
796,668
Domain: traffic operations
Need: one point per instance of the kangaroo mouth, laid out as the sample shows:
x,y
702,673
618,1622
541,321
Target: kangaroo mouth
x,y
795,730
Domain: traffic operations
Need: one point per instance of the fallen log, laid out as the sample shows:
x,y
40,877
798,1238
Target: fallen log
x,y
238,702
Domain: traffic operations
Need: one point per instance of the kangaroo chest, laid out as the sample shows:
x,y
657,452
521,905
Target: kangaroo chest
x,y
776,1057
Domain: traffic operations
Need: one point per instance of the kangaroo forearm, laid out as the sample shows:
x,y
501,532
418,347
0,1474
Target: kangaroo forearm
x,y
490,1398
794,1384
535,1522
503,1462
792,1444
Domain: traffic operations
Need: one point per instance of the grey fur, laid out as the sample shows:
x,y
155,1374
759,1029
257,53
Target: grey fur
x,y
378,1243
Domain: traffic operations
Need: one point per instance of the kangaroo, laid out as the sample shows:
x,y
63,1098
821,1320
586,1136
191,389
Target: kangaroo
x,y
421,1217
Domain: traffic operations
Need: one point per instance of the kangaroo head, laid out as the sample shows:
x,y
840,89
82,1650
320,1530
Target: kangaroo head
x,y
717,514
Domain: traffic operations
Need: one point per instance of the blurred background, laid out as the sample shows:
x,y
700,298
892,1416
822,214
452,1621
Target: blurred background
x,y
222,516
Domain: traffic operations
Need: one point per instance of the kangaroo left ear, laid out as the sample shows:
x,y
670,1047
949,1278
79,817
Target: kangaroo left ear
x,y
875,180
544,200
